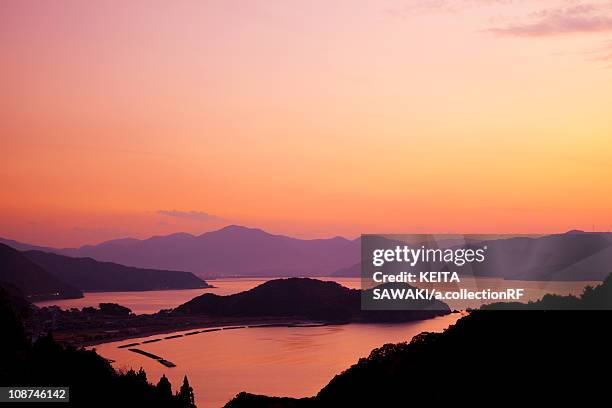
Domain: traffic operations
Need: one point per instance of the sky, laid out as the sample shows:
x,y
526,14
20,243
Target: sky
x,y
308,118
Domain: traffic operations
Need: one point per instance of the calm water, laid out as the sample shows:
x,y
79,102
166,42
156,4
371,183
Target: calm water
x,y
284,361
153,301
287,361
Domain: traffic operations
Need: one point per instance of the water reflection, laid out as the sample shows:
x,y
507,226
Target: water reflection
x,y
289,361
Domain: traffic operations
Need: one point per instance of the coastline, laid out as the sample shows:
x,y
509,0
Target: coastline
x,y
208,323
203,324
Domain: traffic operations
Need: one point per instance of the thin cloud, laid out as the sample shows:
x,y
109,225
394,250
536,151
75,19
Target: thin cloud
x,y
191,215
581,18
603,53
556,26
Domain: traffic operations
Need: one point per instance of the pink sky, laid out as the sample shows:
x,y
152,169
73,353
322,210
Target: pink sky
x,y
309,118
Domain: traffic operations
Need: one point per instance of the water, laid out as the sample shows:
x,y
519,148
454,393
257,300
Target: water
x,y
282,361
140,302
153,301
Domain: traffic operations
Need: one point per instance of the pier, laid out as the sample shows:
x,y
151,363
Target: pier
x,y
161,360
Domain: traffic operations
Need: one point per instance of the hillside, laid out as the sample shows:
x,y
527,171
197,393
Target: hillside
x,y
302,298
32,280
90,275
46,363
541,356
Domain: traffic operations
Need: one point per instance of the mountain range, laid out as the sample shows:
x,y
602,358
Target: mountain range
x,y
31,279
241,251
90,275
571,256
43,275
230,251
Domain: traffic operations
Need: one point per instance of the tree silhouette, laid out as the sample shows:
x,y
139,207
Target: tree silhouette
x,y
44,362
547,357
185,395
164,389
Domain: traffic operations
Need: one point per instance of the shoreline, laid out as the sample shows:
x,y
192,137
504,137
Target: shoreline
x,y
225,324
204,324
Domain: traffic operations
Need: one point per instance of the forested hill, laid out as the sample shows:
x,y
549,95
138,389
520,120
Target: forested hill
x,y
489,357
307,299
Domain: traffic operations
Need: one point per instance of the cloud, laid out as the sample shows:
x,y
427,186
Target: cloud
x,y
190,215
581,18
556,26
603,53
562,17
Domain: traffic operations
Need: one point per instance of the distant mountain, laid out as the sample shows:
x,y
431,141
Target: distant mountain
x,y
303,298
241,251
32,280
572,256
353,271
20,246
90,275
231,251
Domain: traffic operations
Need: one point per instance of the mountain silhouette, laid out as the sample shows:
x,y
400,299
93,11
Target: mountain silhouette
x,y
34,281
545,357
90,275
304,298
241,251
572,256
230,251
92,381
20,246
559,257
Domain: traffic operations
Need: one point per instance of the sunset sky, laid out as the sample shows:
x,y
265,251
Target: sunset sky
x,y
308,118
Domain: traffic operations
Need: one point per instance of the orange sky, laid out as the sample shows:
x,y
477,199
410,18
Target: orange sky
x,y
308,118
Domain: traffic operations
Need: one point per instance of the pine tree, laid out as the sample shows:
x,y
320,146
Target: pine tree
x,y
141,375
164,389
185,395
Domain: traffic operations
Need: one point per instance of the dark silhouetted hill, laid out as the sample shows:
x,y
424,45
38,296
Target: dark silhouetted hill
x,y
302,298
489,358
90,275
598,298
91,379
35,282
